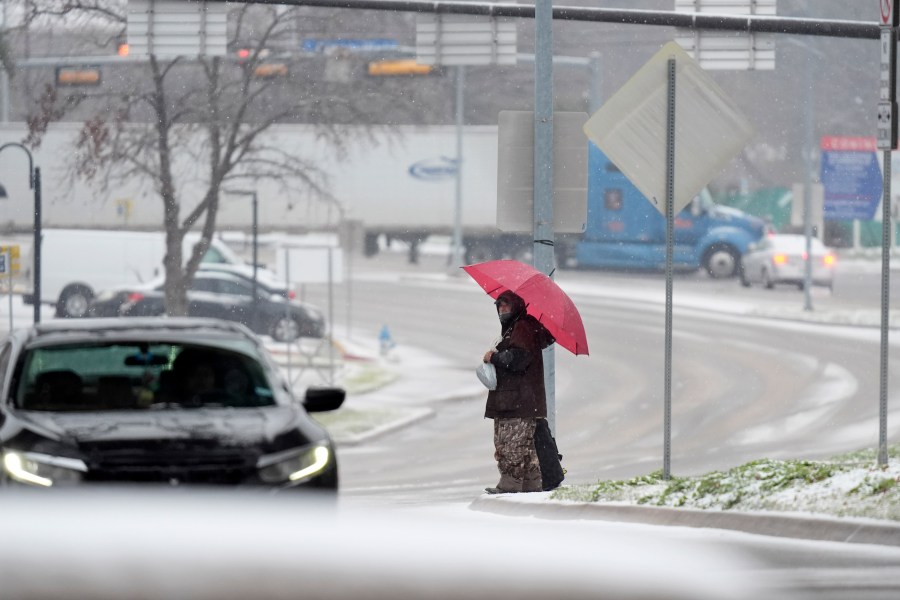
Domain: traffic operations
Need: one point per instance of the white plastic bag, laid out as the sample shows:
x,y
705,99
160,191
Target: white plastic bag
x,y
487,374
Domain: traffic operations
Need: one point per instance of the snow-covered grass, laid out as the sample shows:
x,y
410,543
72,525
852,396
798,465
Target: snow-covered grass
x,y
849,485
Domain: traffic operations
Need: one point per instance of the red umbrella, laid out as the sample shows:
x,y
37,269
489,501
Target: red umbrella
x,y
545,300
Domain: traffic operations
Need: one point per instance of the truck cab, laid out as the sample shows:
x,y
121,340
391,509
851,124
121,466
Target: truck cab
x,y
625,231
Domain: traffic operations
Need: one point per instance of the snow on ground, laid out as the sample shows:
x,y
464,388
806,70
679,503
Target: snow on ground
x,y
848,486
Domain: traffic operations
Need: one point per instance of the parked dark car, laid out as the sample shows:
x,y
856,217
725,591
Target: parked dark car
x,y
179,401
221,293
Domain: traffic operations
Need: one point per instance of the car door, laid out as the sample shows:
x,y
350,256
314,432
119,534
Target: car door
x,y
236,299
205,300
756,259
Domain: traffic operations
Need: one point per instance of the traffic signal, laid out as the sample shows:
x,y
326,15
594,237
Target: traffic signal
x,y
269,70
398,67
78,76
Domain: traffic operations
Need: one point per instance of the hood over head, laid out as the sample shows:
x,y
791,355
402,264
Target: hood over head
x,y
517,309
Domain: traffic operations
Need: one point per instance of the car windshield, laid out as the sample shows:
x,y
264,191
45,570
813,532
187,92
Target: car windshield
x,y
139,376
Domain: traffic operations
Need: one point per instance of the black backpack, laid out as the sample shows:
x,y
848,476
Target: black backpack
x,y
552,472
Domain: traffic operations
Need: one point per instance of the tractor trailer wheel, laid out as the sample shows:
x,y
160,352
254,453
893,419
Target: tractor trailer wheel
x,y
722,261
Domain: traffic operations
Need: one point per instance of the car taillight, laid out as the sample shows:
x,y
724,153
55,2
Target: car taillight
x,y
829,260
291,294
134,297
779,259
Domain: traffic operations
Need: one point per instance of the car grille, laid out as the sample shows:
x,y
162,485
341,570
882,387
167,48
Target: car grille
x,y
175,461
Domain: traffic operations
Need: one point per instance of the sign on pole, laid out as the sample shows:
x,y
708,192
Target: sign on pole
x,y
721,50
170,28
890,17
443,39
10,254
887,141
851,177
515,171
886,115
630,128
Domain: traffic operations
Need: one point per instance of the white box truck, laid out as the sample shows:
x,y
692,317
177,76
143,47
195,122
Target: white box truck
x,y
78,263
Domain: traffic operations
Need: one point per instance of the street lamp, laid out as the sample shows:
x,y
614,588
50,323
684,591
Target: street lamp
x,y
255,233
34,183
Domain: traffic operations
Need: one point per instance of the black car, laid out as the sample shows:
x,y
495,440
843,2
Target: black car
x,y
221,294
175,401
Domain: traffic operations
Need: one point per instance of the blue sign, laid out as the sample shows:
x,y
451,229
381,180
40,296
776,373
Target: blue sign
x,y
852,182
434,169
326,46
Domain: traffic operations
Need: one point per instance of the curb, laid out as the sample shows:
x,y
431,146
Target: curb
x,y
775,524
414,416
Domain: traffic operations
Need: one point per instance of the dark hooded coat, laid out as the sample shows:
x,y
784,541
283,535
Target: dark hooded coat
x,y
520,368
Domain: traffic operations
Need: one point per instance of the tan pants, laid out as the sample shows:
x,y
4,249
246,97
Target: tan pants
x,y
516,457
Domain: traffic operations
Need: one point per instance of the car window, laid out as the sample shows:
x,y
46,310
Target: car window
x,y
213,256
139,376
228,286
205,284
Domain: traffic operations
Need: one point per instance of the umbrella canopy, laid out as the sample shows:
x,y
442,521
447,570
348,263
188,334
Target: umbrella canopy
x,y
545,300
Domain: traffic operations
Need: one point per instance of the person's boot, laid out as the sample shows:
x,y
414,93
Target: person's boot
x,y
507,485
532,484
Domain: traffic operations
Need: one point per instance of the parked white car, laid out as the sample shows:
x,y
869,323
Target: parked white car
x,y
781,258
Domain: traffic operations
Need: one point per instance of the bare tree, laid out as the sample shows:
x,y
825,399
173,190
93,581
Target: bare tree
x,y
176,122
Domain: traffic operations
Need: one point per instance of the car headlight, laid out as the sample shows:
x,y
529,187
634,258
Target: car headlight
x,y
42,469
293,465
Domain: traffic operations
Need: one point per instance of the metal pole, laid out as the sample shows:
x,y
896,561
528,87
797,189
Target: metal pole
x,y
350,248
885,307
807,192
37,244
4,76
457,214
543,173
670,243
839,28
330,320
287,310
255,306
10,273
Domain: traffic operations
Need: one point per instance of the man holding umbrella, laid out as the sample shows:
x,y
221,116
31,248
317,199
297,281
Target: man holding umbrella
x,y
520,398
534,312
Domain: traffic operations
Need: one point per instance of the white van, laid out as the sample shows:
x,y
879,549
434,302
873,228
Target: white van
x,y
78,263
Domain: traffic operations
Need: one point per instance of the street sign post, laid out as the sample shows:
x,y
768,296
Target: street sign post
x,y
887,141
636,130
9,265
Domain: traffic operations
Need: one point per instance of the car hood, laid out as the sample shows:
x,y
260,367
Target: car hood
x,y
236,427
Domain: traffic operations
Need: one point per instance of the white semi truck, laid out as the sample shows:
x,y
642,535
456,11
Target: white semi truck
x,y
400,184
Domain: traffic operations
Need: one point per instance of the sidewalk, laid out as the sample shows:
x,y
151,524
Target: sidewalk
x,y
776,524
384,392
406,400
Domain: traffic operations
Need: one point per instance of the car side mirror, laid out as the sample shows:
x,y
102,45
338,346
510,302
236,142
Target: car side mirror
x,y
323,399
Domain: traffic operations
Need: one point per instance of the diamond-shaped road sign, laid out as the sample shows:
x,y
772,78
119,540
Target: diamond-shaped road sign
x,y
630,128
